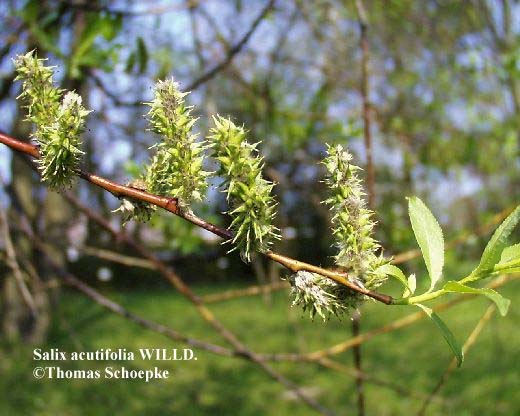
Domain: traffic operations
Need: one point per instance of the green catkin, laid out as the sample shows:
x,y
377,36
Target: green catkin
x,y
252,207
352,224
58,121
352,228
176,168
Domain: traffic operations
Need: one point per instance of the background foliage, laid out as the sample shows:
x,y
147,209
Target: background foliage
x,y
445,94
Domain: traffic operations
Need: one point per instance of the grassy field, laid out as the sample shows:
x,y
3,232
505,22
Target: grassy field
x,y
411,359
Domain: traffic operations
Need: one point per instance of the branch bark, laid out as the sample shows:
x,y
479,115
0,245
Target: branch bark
x,y
171,205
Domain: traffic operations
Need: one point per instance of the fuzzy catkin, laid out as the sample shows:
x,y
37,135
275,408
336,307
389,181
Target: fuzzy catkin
x,y
352,224
352,228
58,122
252,207
176,168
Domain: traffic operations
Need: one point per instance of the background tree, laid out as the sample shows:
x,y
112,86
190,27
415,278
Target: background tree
x,y
444,100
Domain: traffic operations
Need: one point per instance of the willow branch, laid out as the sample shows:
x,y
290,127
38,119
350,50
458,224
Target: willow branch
x,y
12,262
114,307
248,291
171,205
168,273
392,326
397,259
367,133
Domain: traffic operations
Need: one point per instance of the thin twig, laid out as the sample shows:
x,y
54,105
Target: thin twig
x,y
116,257
171,205
15,267
392,326
248,291
367,134
235,49
397,259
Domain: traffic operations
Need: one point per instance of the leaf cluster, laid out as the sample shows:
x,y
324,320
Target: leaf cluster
x,y
498,257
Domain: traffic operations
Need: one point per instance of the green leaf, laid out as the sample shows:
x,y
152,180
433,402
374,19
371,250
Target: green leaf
x,y
85,52
412,284
428,234
394,271
501,302
142,55
130,62
446,333
495,246
510,253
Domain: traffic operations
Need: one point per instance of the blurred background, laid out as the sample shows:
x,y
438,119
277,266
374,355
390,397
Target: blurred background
x,y
443,84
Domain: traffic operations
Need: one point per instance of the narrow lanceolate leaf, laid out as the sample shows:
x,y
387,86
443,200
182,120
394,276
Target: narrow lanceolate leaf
x,y
428,234
495,247
501,302
446,333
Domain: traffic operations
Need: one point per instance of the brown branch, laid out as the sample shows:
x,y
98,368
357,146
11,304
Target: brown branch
x,y
339,277
397,259
365,91
249,291
116,257
367,133
240,349
453,364
114,307
12,262
171,205
235,49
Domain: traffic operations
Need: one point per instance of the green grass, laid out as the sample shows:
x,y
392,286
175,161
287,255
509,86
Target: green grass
x,y
412,358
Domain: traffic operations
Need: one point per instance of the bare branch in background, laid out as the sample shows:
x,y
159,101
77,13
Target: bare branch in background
x,y
234,50
12,262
